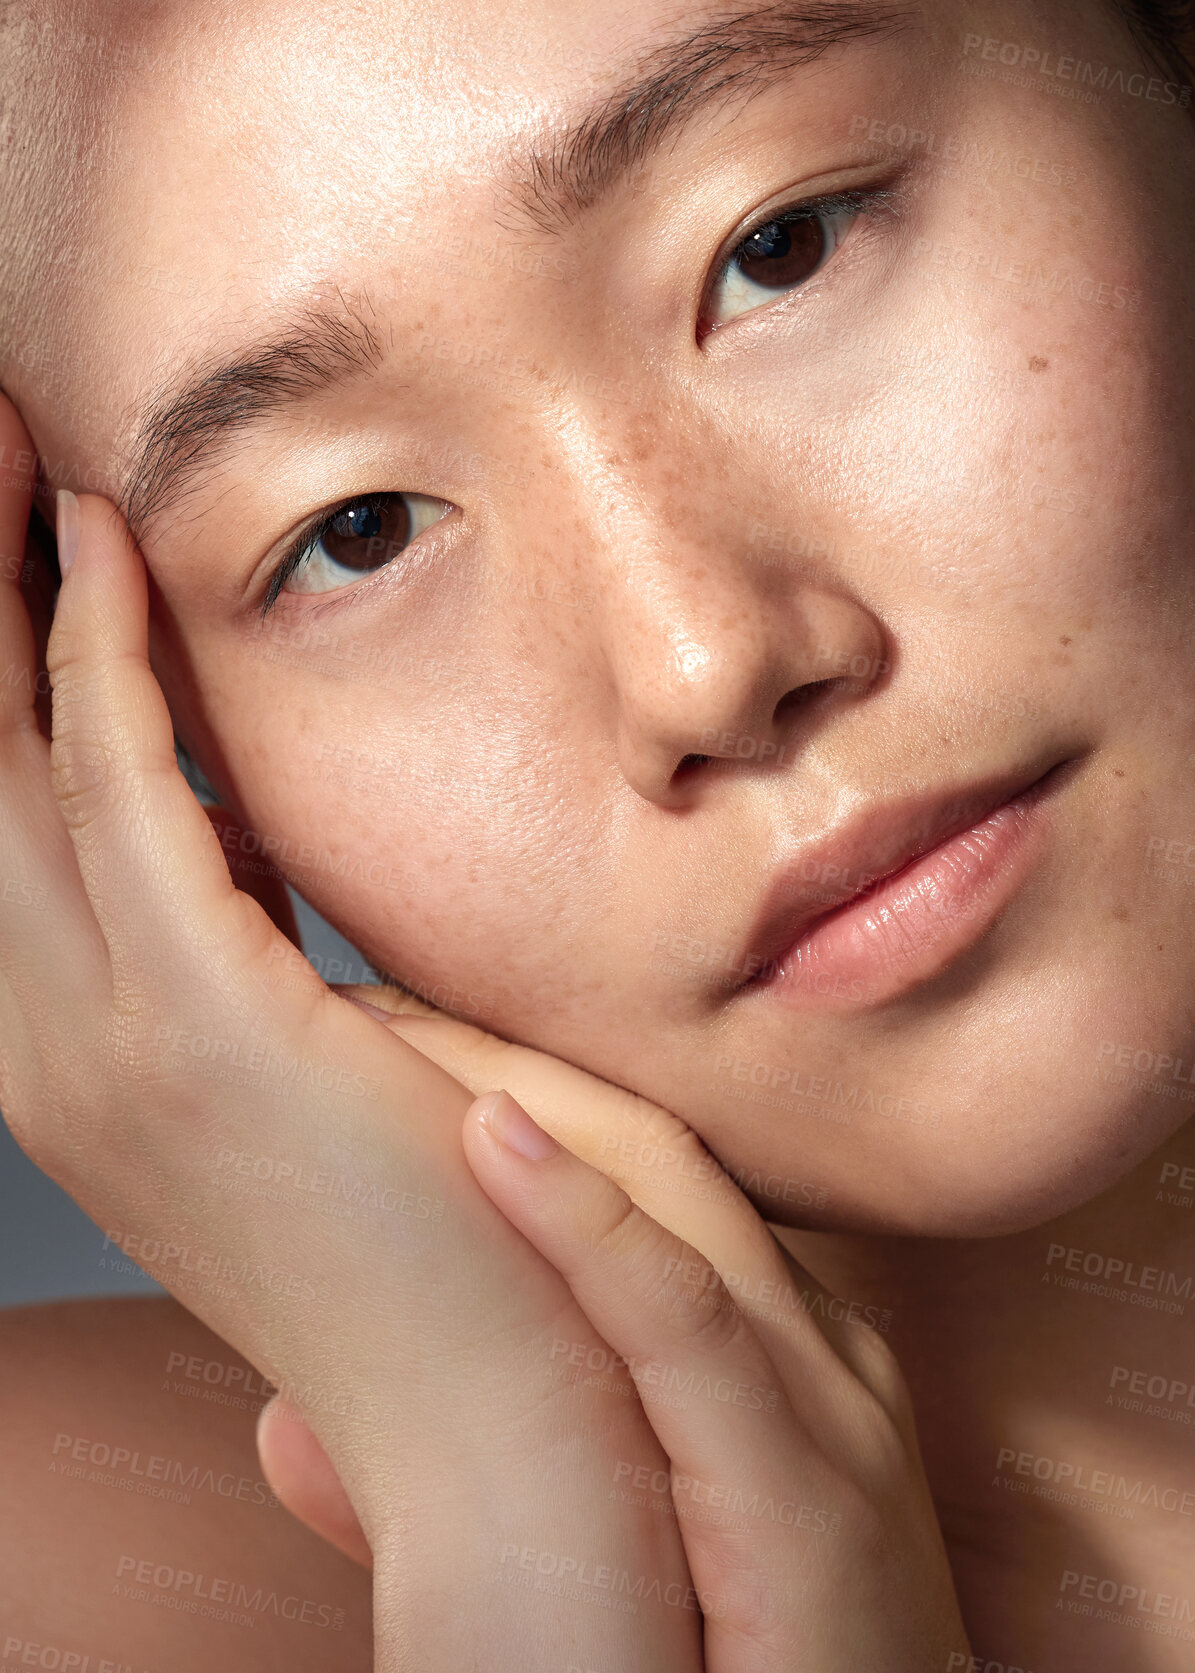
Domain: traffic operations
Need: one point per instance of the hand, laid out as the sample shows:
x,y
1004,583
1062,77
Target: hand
x,y
794,1477
149,1047
794,1473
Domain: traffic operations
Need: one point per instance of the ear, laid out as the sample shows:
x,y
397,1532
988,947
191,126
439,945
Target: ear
x,y
304,1479
255,875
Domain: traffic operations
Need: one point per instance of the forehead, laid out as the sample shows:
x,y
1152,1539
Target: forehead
x,y
226,160
241,158
291,135
245,154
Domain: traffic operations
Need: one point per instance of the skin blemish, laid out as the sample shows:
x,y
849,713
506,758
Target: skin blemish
x,y
1038,363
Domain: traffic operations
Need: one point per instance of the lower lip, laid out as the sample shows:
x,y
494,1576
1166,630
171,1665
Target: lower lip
x,y
913,925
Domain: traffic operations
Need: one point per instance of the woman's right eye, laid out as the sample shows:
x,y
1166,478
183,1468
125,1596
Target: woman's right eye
x,y
355,540
784,252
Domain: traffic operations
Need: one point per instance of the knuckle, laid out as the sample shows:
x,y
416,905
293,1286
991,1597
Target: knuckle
x,y
875,1364
865,1519
666,1131
491,1054
246,938
66,653
754,1610
88,779
480,1061
649,1145
46,1109
76,692
23,1103
713,1321
622,1234
881,1450
133,1054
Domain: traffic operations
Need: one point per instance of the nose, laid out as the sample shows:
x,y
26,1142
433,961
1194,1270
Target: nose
x,y
714,665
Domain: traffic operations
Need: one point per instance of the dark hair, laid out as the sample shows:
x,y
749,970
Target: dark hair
x,y
1164,30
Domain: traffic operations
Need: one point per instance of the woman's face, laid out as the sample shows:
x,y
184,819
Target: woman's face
x,y
728,559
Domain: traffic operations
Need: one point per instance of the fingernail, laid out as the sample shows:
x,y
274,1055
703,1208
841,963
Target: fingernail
x,y
513,1127
68,529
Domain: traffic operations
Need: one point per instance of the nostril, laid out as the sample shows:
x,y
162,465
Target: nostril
x,y
688,763
800,697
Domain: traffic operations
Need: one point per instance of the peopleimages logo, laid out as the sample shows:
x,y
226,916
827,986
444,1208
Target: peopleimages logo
x,y
1159,1065
960,1663
1113,1269
669,1380
1125,1596
208,1264
1084,73
1100,1484
27,1652
188,1587
259,1059
824,1089
1091,1272
1172,1395
123,1461
1035,279
671,1485
601,1577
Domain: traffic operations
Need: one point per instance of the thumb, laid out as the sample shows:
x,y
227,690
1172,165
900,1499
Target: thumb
x,y
304,1479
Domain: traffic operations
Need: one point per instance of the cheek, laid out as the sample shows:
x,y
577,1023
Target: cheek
x,y
447,835
1018,509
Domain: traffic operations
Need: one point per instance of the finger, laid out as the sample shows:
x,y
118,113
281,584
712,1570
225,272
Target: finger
x,y
305,1480
652,1296
820,1353
661,1164
398,1002
707,1385
151,861
658,1159
49,939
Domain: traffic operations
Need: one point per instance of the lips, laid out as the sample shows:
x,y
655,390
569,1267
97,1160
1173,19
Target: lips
x,y
889,900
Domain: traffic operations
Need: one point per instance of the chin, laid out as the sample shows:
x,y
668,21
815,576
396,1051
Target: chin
x,y
989,1169
1050,1077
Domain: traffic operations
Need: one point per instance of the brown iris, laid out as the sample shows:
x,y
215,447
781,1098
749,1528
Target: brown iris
x,y
367,535
782,253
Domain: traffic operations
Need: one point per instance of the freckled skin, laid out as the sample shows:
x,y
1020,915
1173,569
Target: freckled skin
x,y
522,700
653,542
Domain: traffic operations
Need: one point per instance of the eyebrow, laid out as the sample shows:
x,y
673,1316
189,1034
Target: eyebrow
x,y
740,53
320,347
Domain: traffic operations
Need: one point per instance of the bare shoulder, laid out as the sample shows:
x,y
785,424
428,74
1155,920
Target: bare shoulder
x,y
136,1532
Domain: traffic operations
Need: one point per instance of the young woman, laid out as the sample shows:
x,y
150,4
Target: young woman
x,y
670,527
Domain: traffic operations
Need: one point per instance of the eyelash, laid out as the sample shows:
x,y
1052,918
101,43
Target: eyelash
x,y
305,544
860,200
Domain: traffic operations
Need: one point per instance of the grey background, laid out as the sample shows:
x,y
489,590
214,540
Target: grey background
x,y
49,1249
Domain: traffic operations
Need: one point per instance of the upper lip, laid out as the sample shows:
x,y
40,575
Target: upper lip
x,y
877,843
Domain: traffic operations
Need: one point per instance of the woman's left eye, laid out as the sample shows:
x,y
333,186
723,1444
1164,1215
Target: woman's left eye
x,y
355,540
781,254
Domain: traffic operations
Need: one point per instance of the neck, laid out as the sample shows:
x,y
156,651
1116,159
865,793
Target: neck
x,y
1053,1378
